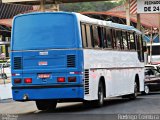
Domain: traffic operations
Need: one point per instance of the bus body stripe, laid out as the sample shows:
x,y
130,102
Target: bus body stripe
x,y
47,86
118,68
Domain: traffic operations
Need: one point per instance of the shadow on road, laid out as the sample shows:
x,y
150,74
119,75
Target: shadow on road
x,y
6,100
109,111
154,93
82,108
151,94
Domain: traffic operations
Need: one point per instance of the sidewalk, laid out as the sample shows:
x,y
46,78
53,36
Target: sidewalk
x,y
6,81
5,90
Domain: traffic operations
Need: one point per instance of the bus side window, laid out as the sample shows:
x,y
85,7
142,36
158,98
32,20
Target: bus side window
x,y
101,36
88,34
105,39
114,42
125,40
96,39
84,38
119,39
92,40
132,41
128,40
137,43
108,38
139,50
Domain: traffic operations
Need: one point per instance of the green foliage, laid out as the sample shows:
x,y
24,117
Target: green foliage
x,y
90,6
120,2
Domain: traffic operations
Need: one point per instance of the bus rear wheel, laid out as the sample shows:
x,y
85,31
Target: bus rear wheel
x,y
100,101
46,104
135,94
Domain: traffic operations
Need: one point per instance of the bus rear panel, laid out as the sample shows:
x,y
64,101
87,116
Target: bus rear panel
x,y
47,62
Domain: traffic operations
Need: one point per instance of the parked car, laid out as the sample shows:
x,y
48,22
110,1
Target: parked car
x,y
152,79
153,66
5,70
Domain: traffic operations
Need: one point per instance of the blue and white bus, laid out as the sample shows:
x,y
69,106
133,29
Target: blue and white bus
x,y
60,56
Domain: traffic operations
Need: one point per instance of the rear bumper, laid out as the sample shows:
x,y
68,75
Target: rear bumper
x,y
56,92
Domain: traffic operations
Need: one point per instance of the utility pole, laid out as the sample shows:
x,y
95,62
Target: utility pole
x,y
138,22
42,5
128,12
151,41
55,6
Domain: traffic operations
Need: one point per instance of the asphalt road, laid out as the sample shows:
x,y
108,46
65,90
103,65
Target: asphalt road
x,y
115,108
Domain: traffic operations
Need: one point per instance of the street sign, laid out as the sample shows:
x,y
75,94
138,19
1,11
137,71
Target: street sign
x,y
148,6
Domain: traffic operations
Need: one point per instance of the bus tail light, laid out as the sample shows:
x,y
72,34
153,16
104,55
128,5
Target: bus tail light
x,y
17,80
28,80
60,79
72,79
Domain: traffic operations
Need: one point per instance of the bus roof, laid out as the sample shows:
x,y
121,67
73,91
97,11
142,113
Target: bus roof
x,y
86,19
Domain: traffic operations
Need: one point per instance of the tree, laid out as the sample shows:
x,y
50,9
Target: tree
x,y
90,6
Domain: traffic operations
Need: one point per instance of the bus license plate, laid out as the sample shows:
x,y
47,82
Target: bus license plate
x,y
44,75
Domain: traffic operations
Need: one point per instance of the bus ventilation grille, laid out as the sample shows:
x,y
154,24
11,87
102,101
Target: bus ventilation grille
x,y
17,63
71,61
86,81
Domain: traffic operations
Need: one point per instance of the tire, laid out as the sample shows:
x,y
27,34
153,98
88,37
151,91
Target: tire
x,y
146,90
46,104
135,94
100,101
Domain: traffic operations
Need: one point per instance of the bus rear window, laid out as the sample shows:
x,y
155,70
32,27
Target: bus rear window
x,y
44,31
155,50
